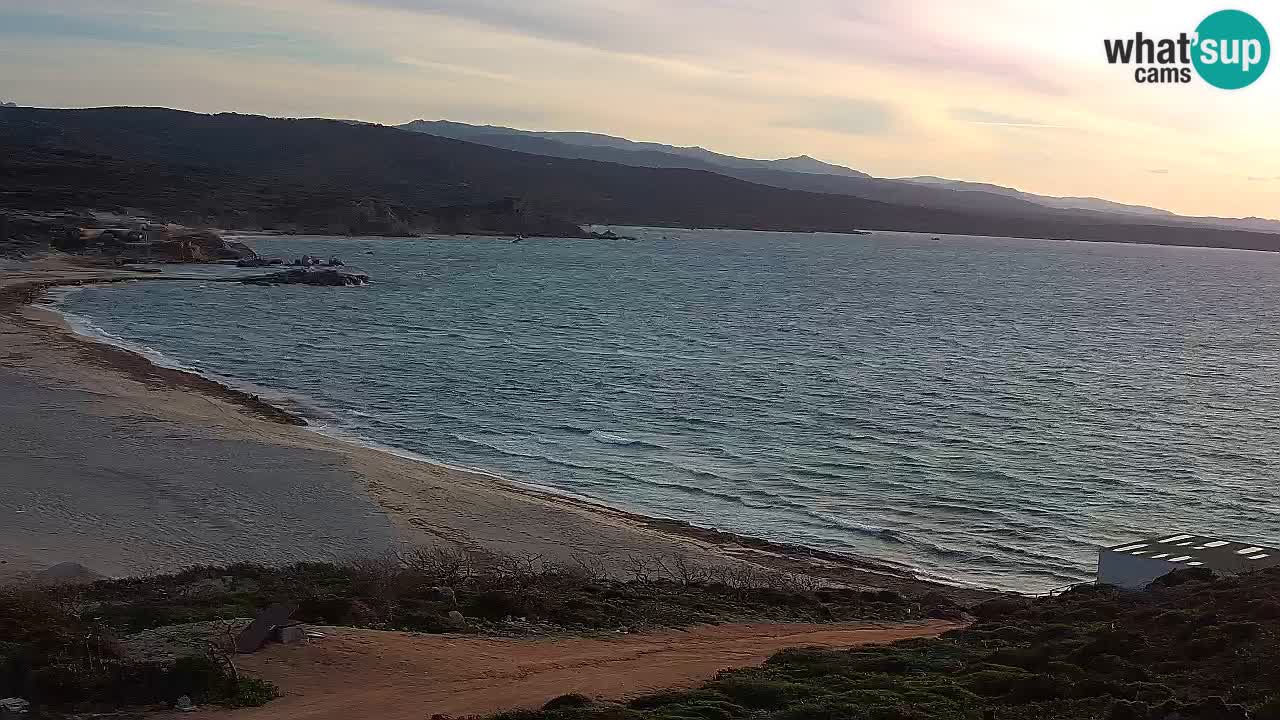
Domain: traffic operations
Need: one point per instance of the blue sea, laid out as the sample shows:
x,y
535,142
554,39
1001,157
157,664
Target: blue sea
x,y
984,411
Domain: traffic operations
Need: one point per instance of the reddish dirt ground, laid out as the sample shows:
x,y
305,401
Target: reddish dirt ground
x,y
394,676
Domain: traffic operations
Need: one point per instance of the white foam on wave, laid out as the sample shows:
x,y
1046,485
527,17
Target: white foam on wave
x,y
342,434
89,330
86,328
622,439
334,428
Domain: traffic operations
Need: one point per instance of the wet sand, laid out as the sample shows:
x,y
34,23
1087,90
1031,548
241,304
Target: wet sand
x,y
125,468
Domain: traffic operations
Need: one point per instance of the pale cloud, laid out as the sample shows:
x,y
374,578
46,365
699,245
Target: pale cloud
x,y
978,116
456,69
1000,91
896,34
849,116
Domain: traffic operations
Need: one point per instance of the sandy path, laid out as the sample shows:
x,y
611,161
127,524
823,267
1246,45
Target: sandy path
x,y
390,675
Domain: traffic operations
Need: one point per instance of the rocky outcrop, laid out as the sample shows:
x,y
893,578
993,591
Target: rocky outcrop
x,y
185,245
304,276
132,240
610,235
26,237
509,216
239,250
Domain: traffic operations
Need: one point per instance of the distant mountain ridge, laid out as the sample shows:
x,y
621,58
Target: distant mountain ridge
x,y
776,173
811,175
306,175
702,156
1066,203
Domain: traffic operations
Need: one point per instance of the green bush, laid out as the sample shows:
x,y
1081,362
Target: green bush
x,y
252,692
704,710
570,700
822,710
675,697
992,683
1268,709
757,692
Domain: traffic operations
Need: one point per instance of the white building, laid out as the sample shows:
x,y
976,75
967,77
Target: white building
x,y
1134,565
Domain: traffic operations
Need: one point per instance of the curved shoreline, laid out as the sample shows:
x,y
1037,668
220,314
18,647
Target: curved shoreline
x,y
135,364
776,555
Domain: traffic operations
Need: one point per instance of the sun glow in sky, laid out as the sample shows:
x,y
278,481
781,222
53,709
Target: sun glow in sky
x,y
1005,91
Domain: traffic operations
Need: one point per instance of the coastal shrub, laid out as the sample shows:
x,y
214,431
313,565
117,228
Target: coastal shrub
x,y
523,715
417,589
1064,669
703,710
821,710
59,650
493,605
1268,709
1085,654
756,691
993,682
252,692
58,645
570,700
675,697
115,683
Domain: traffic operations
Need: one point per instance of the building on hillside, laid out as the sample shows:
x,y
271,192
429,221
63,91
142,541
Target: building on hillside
x,y
1135,564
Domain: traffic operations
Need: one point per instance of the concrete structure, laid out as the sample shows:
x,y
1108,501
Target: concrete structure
x,y
288,634
1134,565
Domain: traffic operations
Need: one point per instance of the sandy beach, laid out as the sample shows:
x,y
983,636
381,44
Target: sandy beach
x,y
127,468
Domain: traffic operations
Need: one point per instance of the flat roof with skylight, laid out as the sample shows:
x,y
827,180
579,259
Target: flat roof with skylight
x,y
1135,564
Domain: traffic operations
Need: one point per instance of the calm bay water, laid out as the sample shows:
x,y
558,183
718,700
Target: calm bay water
x,y
980,410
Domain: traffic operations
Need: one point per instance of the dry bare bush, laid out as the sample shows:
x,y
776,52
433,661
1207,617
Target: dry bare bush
x,y
440,565
377,577
383,578
686,572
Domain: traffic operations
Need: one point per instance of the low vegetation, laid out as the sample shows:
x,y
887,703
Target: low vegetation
x,y
1193,648
75,646
54,652
312,175
417,591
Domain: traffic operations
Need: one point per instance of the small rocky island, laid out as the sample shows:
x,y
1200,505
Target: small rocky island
x,y
327,277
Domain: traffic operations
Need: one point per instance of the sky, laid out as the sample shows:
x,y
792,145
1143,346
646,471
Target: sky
x,y
1013,92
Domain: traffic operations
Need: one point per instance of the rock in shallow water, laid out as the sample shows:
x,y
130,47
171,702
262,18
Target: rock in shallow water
x,y
301,276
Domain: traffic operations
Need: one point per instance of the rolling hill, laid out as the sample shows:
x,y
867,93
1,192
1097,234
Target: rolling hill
x,y
806,173
252,171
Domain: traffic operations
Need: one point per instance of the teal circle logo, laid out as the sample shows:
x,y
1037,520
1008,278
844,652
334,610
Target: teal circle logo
x,y
1232,49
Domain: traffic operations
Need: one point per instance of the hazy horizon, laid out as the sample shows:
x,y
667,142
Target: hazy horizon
x,y
997,92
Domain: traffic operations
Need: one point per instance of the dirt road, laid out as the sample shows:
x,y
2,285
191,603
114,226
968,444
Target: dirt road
x,y
394,676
